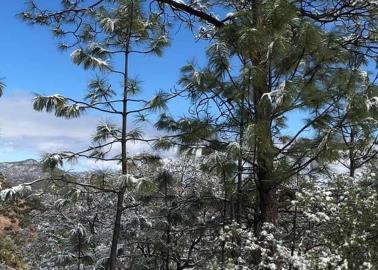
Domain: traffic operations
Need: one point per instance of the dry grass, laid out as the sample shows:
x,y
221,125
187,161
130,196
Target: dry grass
x,y
9,224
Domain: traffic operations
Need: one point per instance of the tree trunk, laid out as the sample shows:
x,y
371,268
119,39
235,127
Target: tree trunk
x,y
240,163
122,191
265,152
352,165
116,231
168,229
224,216
79,253
268,205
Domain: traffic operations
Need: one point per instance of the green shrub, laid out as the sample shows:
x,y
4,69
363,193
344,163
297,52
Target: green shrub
x,y
9,253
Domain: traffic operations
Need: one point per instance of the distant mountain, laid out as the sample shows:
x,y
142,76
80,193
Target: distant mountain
x,y
22,171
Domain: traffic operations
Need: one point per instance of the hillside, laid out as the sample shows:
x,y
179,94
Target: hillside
x,y
21,171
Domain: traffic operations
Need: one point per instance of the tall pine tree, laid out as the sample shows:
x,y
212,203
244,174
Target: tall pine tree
x,y
107,30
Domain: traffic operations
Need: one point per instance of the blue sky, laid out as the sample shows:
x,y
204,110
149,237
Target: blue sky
x,y
31,63
30,59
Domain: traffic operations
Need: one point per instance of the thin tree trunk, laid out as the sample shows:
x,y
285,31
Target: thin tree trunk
x,y
79,253
240,163
294,242
168,230
122,191
116,231
223,243
352,163
256,216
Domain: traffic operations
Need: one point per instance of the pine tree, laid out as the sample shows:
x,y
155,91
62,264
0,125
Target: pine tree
x,y
106,31
243,110
179,209
356,113
267,60
270,59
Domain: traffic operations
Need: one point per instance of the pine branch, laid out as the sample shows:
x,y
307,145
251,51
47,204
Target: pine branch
x,y
194,12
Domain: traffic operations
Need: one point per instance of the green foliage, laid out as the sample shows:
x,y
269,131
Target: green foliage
x,y
133,87
145,190
14,192
159,102
218,55
10,253
48,103
99,91
2,87
105,131
59,105
89,58
135,134
163,143
51,161
265,62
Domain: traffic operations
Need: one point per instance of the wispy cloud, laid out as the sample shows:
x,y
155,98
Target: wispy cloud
x,y
23,128
25,133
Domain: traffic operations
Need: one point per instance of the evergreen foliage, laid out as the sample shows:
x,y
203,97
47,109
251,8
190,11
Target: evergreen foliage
x,y
247,188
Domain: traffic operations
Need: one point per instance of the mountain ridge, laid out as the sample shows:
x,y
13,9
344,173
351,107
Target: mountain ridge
x,y
18,172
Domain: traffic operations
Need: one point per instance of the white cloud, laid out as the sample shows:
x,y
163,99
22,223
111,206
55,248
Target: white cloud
x,y
25,133
23,128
